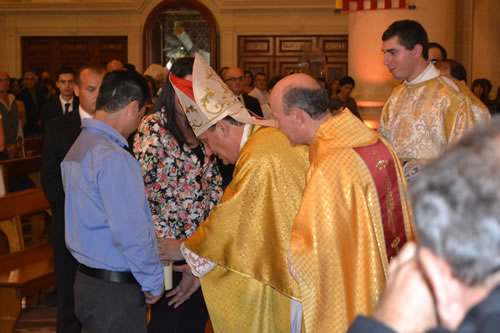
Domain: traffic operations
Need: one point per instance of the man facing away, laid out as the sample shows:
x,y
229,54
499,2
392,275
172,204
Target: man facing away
x,y
240,251
109,228
354,214
450,282
427,111
60,134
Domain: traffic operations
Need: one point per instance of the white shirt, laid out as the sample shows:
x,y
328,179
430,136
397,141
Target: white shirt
x,y
64,102
262,96
83,113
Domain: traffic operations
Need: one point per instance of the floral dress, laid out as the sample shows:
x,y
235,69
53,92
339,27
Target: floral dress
x,y
180,188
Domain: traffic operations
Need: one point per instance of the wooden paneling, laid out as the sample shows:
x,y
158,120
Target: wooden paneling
x,y
50,53
290,46
279,55
257,65
256,46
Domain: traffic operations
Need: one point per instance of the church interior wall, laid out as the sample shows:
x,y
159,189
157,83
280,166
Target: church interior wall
x,y
449,22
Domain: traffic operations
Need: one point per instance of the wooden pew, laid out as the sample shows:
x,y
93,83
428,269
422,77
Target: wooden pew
x,y
23,274
17,167
33,146
13,206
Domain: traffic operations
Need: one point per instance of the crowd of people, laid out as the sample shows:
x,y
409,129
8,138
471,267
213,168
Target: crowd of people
x,y
279,209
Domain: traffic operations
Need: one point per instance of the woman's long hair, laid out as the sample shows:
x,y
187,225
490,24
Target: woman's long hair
x,y
166,101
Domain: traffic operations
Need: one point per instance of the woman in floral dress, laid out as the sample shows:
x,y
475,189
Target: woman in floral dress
x,y
182,186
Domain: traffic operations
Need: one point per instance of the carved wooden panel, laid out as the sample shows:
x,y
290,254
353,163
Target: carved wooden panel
x,y
334,46
257,64
285,66
291,46
279,55
256,46
50,53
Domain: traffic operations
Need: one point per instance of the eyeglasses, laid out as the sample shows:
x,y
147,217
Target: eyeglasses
x,y
234,79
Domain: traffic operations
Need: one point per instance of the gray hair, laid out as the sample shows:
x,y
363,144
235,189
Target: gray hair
x,y
456,202
313,101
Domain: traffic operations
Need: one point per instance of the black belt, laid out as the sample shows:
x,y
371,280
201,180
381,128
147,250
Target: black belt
x,y
103,274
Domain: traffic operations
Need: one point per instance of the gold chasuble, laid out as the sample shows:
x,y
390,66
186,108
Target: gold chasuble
x,y
248,235
353,217
419,120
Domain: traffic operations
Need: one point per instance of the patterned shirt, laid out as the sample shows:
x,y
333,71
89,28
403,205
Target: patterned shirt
x,y
181,190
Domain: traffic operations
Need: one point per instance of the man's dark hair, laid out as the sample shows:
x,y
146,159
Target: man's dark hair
x,y
312,101
441,48
457,70
228,119
261,74
130,67
120,88
347,80
409,33
98,69
64,70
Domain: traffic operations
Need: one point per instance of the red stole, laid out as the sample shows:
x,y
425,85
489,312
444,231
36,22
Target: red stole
x,y
382,168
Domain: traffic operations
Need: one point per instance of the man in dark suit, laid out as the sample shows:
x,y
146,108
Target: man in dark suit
x,y
234,80
33,101
63,102
60,134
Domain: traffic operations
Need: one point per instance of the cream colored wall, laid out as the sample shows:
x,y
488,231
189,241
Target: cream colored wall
x,y
127,17
269,17
486,42
69,18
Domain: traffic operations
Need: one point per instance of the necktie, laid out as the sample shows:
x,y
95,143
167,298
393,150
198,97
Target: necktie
x,y
66,107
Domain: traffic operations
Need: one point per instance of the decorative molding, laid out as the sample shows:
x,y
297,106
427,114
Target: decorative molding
x,y
63,6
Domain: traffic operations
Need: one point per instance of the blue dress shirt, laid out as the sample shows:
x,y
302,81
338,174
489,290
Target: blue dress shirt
x,y
107,216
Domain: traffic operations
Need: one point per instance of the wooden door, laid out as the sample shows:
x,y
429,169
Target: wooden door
x,y
50,53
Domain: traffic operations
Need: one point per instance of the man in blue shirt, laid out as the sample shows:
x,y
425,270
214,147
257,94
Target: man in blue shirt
x,y
109,228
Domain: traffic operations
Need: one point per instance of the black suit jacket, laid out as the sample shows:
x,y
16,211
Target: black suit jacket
x,y
53,109
59,136
253,105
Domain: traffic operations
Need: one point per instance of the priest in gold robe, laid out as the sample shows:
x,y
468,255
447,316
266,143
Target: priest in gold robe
x,y
354,215
427,111
240,251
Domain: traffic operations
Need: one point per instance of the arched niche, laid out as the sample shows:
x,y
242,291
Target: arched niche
x,y
170,22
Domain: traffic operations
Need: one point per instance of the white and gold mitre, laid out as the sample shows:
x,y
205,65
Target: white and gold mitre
x,y
207,99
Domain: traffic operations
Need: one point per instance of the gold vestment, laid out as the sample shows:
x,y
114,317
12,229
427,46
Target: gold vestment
x,y
338,248
248,235
420,120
